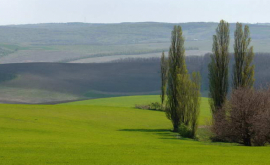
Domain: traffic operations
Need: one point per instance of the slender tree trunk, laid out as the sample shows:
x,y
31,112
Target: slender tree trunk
x,y
247,141
175,128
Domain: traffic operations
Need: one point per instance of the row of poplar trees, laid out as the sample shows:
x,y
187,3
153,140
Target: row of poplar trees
x,y
243,70
180,91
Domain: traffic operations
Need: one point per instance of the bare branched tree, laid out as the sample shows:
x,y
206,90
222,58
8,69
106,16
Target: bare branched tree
x,y
245,118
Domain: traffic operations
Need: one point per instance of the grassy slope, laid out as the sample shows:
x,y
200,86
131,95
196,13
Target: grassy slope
x,y
131,101
96,134
128,101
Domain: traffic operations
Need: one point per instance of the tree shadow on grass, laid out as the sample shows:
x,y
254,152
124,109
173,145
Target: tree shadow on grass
x,y
163,133
146,130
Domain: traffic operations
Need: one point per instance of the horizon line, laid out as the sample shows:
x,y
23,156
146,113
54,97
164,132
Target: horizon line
x,y
128,22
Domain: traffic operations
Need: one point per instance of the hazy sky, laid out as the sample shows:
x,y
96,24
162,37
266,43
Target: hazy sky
x,y
114,11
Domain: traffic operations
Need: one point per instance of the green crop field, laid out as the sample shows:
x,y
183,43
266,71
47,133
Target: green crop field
x,y
108,131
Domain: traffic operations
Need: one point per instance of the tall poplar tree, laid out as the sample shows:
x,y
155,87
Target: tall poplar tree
x,y
218,67
243,71
164,76
183,92
177,66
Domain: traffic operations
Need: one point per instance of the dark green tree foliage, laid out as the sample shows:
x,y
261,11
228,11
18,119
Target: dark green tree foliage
x,y
243,71
183,92
218,67
176,66
164,76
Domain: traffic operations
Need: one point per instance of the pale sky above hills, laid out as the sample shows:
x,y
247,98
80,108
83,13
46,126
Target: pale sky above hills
x,y
115,11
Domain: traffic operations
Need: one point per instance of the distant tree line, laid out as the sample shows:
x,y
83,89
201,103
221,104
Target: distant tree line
x,y
200,64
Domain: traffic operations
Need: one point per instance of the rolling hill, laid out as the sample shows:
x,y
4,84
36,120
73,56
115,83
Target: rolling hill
x,y
113,134
61,82
54,82
88,43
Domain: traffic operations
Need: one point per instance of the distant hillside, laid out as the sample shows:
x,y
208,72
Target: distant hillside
x,y
102,34
53,82
86,43
107,34
58,82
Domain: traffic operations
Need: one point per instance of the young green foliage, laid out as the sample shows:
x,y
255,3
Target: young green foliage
x,y
189,101
176,66
195,102
243,71
218,67
182,93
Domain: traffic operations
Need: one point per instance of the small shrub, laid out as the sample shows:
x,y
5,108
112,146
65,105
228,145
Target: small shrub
x,y
152,106
155,106
185,131
142,106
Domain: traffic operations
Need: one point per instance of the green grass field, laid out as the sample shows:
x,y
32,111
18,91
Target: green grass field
x,y
108,131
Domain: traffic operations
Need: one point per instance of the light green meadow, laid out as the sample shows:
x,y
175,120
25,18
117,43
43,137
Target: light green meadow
x,y
108,131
